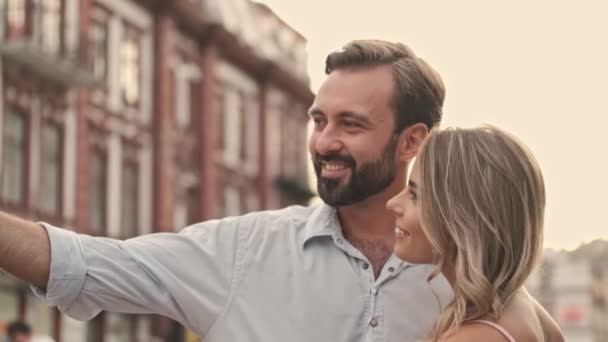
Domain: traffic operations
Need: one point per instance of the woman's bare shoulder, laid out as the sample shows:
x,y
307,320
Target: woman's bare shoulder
x,y
550,328
529,321
475,332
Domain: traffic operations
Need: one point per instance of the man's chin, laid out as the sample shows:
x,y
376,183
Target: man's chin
x,y
335,197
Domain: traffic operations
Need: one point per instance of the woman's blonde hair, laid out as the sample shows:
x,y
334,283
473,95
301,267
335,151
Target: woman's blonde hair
x,y
482,202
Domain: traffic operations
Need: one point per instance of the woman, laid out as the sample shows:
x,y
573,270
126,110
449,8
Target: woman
x,y
474,207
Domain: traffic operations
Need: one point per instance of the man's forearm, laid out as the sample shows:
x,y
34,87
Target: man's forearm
x,y
25,250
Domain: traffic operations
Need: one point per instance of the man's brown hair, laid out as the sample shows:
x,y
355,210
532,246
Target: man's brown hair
x,y
418,89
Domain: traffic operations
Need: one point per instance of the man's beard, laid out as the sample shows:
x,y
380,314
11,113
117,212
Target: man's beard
x,y
367,180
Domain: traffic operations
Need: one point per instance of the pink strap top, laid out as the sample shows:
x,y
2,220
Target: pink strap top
x,y
495,326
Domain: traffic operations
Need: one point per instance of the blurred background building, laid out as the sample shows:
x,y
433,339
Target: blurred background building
x,y
127,117
573,287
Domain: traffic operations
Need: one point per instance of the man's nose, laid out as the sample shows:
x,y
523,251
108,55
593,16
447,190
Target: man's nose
x,y
327,141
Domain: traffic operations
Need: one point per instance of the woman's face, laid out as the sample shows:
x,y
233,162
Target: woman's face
x,y
411,243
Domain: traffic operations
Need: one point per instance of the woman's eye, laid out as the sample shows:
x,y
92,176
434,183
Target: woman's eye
x,y
413,196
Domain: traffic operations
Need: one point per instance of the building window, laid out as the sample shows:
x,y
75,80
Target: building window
x,y
290,151
99,43
232,127
15,10
50,168
130,65
186,97
186,88
252,136
252,202
14,155
129,199
232,201
50,25
97,191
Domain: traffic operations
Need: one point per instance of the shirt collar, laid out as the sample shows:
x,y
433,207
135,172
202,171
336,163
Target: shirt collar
x,y
323,222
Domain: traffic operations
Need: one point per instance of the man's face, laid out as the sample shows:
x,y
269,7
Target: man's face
x,y
352,145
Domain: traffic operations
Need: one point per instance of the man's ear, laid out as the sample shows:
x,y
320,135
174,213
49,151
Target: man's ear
x,y
410,141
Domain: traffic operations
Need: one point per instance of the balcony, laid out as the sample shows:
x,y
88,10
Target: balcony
x,y
42,37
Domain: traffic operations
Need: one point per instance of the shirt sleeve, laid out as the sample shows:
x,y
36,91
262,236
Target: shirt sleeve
x,y
187,276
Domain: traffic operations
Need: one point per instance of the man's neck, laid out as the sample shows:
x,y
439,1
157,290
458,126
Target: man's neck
x,y
369,227
369,220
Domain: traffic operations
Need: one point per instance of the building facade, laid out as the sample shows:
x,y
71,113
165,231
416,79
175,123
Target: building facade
x,y
126,117
573,288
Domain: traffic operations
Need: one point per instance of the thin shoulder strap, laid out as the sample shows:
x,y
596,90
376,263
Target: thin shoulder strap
x,y
495,326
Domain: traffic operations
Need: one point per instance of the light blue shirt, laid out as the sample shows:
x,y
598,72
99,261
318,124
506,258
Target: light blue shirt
x,y
286,275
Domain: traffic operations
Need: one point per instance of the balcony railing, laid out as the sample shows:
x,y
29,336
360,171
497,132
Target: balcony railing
x,y
43,37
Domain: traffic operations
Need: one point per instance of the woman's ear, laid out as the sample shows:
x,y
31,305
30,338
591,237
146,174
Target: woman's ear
x,y
410,141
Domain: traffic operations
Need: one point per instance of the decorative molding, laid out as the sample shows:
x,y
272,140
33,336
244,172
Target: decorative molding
x,y
130,11
235,77
185,45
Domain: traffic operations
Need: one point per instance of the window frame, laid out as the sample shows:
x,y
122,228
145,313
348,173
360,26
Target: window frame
x,y
21,205
102,229
130,159
58,213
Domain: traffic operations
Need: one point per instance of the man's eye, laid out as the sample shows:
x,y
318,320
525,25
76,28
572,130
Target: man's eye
x,y
350,124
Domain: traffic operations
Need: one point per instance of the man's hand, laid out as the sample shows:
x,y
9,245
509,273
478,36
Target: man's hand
x,y
25,250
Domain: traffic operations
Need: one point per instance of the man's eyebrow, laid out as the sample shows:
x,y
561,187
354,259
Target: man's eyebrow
x,y
354,115
315,111
364,119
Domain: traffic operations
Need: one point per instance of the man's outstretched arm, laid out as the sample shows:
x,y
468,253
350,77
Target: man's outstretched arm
x,y
25,250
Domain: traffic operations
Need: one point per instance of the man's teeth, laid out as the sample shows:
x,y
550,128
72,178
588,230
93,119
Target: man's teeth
x,y
334,167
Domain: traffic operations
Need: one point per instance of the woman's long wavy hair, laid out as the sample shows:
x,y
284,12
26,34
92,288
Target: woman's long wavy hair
x,y
482,201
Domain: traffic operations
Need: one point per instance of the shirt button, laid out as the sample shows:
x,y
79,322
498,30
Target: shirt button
x,y
340,241
391,269
373,323
365,266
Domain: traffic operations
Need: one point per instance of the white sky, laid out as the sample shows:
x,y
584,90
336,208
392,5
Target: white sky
x,y
536,68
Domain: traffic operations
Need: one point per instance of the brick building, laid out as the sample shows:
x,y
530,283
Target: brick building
x,y
573,288
126,117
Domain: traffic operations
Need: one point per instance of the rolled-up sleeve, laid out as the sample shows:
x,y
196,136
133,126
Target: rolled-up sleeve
x,y
186,276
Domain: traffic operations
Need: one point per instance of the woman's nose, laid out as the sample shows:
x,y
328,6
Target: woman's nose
x,y
395,204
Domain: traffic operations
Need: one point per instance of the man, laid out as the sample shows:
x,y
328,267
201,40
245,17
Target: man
x,y
19,332
323,273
